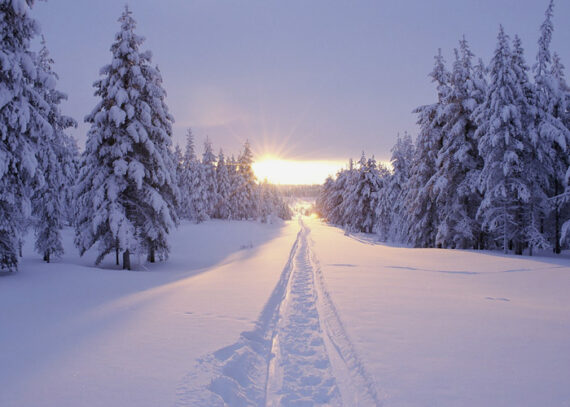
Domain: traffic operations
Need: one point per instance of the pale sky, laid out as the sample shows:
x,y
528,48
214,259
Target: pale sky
x,y
301,79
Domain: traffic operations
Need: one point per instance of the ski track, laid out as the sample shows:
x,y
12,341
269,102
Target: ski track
x,y
298,354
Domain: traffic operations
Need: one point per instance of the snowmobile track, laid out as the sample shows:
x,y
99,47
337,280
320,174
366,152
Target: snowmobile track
x,y
298,354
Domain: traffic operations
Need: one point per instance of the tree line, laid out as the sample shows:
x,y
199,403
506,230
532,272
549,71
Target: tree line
x,y
489,167
129,188
217,187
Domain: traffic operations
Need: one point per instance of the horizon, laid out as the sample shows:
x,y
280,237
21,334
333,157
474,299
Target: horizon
x,y
345,80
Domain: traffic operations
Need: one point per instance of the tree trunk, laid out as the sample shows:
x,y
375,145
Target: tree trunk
x,y
519,248
151,257
519,244
557,248
46,256
505,238
117,252
126,260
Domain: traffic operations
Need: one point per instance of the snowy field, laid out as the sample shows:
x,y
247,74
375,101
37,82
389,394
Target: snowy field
x,y
348,322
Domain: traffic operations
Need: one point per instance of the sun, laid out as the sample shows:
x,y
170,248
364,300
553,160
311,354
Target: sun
x,y
293,172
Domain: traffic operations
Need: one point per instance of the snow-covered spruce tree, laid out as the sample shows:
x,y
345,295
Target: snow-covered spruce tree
x,y
127,192
538,156
71,173
271,204
561,201
552,97
421,219
189,177
384,213
392,205
265,203
245,187
23,123
349,195
223,182
562,106
179,162
199,195
362,197
235,181
502,145
56,164
336,200
458,164
347,186
322,203
209,181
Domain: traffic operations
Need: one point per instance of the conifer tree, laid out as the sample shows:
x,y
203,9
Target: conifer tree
x,y
244,189
322,206
346,184
458,162
56,156
551,99
422,217
361,214
235,181
537,158
190,179
502,145
127,188
23,123
223,182
392,205
179,162
209,181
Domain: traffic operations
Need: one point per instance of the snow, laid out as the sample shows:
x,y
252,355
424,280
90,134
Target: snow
x,y
117,115
75,335
348,322
452,328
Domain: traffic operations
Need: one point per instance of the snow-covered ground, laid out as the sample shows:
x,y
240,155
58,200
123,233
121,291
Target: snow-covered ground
x,y
288,314
452,328
75,335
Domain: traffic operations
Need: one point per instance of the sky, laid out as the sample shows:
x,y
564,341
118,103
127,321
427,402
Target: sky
x,y
302,80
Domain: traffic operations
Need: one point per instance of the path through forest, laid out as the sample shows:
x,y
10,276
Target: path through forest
x,y
298,354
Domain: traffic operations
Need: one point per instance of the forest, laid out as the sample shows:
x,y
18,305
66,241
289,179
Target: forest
x,y
129,187
489,167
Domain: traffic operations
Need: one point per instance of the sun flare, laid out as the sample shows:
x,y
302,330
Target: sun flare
x,y
292,172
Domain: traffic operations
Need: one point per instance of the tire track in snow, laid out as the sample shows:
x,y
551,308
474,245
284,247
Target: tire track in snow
x,y
298,354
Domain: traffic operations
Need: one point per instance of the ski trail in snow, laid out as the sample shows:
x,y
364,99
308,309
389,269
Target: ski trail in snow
x,y
356,384
300,371
299,353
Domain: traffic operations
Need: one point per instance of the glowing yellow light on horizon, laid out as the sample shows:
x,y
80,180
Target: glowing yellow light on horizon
x,y
291,172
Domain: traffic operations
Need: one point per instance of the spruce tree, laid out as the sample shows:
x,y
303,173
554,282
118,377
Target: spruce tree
x,y
551,124
362,197
537,159
458,162
235,181
223,182
392,205
127,188
56,159
209,181
501,134
245,188
422,215
179,162
23,124
189,178
347,182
